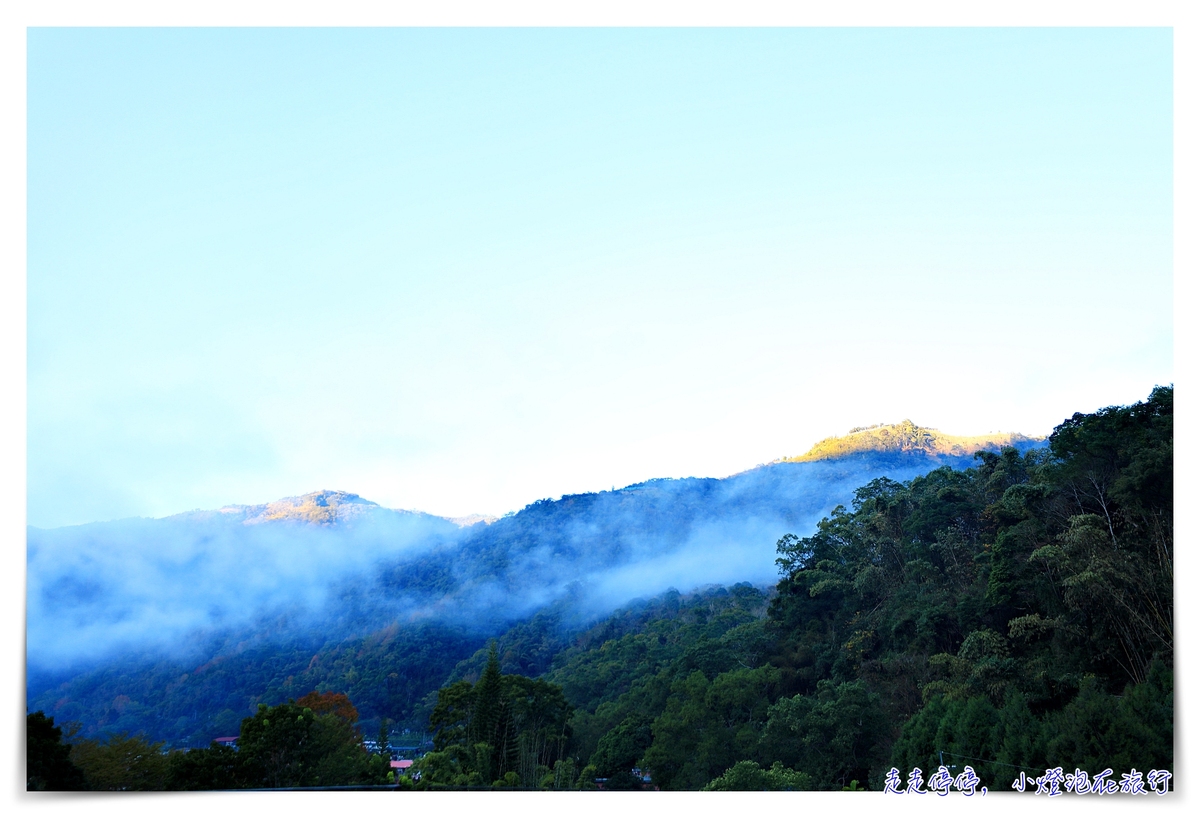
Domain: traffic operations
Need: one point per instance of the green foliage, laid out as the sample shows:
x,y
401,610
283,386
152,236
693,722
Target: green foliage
x,y
48,764
389,670
749,776
996,611
386,673
503,731
291,746
608,659
706,726
1093,731
1017,614
990,614
624,666
276,747
622,747
1098,730
563,777
1115,470
833,736
623,780
216,767
122,762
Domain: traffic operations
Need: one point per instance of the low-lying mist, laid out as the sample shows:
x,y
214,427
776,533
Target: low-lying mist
x,y
109,591
140,585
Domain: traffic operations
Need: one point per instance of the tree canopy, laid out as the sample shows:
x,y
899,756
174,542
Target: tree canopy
x,y
1015,615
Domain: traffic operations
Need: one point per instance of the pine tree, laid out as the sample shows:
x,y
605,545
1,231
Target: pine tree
x,y
490,719
384,743
485,721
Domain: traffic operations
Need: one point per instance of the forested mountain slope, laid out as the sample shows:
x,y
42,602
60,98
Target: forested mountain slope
x,y
180,626
906,436
1015,616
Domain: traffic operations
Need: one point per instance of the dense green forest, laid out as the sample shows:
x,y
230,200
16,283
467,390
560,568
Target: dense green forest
x,y
1015,616
310,742
389,631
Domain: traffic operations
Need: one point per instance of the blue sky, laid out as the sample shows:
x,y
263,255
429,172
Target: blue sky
x,y
459,270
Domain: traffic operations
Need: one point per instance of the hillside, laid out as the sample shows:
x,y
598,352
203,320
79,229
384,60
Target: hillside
x,y
1016,615
225,608
908,437
316,508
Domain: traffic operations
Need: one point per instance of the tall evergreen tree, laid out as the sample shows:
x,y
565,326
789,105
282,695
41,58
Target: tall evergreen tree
x,y
485,721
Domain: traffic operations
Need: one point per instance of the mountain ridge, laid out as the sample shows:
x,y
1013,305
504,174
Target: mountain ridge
x,y
326,507
297,583
330,506
907,437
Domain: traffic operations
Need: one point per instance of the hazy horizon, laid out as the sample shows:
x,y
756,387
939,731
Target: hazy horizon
x,y
350,491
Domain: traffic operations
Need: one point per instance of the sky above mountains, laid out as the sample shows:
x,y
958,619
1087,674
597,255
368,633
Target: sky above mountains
x,y
457,270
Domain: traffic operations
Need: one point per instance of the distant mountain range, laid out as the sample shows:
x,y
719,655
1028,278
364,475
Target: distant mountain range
x,y
284,583
324,508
